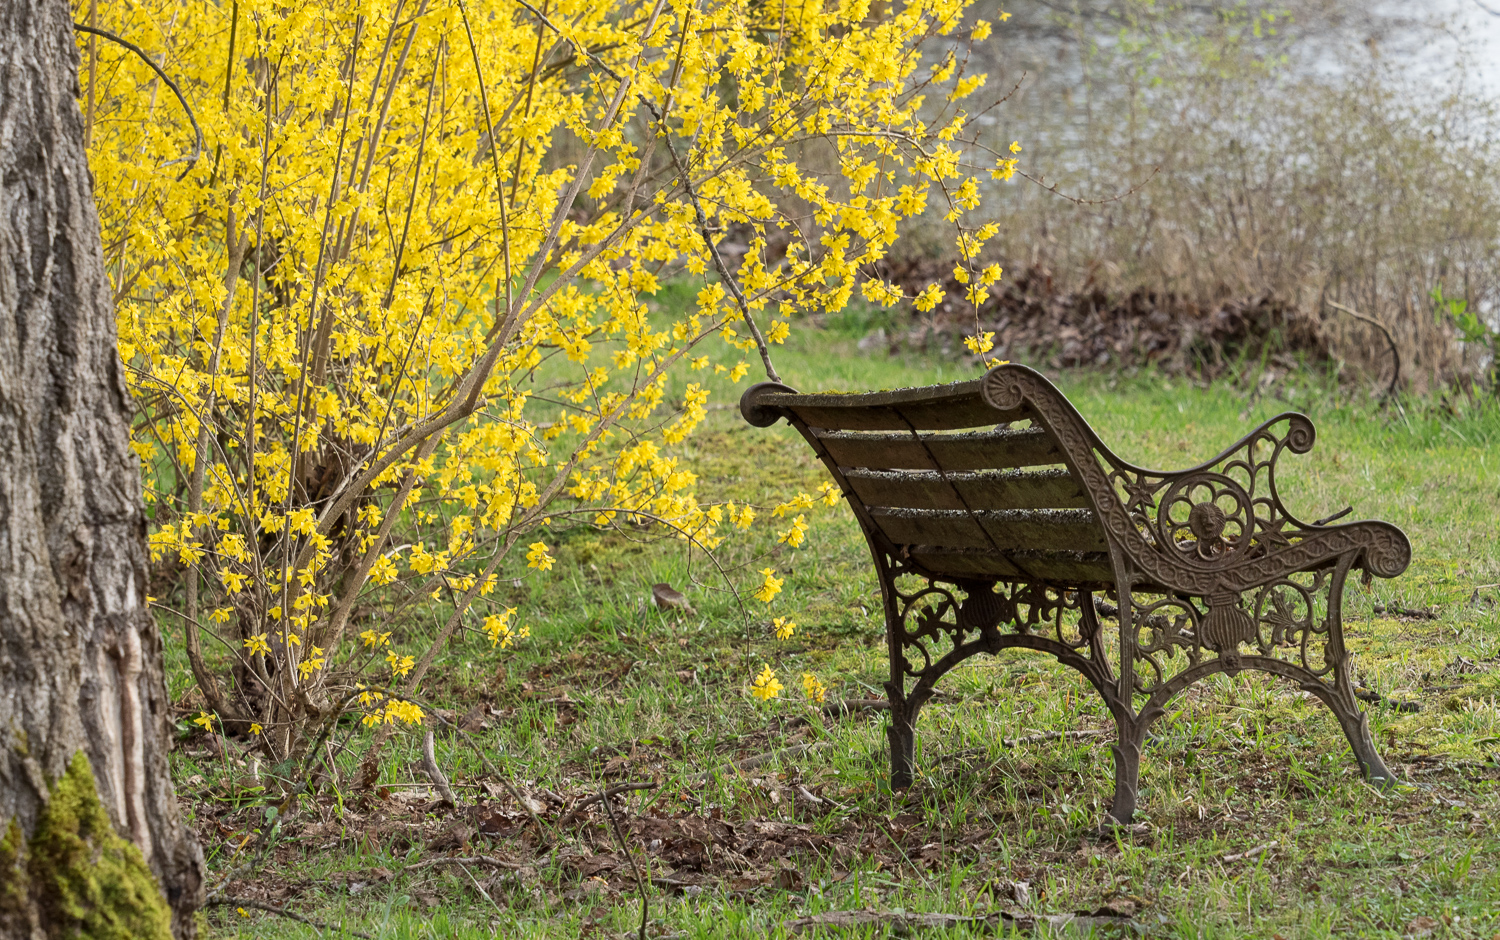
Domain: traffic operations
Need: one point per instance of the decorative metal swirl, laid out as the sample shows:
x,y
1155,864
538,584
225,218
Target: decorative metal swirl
x,y
1002,390
1206,518
1287,620
1131,501
756,412
935,625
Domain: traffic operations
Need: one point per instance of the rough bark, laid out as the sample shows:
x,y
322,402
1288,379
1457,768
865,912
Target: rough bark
x,y
80,657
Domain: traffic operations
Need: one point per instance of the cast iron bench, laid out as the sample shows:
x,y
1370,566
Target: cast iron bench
x,y
995,515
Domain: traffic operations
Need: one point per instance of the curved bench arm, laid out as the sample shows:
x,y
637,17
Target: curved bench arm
x,y
1216,527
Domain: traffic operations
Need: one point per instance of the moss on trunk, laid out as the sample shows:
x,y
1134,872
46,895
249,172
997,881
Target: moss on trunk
x,y
76,877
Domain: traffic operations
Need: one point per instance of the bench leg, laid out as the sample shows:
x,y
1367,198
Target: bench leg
x,y
902,733
1132,737
1357,729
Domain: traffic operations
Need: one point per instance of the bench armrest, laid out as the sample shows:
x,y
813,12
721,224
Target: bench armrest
x,y
1210,526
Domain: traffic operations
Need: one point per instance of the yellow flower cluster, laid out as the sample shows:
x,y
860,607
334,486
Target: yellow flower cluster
x,y
815,690
500,631
770,586
393,711
793,536
538,558
766,686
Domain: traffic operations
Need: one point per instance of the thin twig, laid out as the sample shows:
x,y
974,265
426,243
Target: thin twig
x,y
687,184
1052,736
283,912
480,888
1251,853
1390,391
609,794
510,788
713,250
197,133
430,765
640,883
490,860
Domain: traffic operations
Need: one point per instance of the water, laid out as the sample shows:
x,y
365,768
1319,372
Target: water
x,y
1447,33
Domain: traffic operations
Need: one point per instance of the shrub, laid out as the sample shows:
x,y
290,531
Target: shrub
x,y
392,321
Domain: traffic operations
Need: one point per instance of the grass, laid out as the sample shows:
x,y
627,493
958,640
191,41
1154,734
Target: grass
x,y
607,690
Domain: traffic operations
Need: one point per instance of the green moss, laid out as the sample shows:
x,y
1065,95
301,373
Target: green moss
x,y
90,882
13,876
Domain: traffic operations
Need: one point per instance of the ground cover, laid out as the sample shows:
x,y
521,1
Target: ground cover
x,y
1256,821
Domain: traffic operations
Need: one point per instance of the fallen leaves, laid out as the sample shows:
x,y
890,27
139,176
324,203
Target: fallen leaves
x,y
903,921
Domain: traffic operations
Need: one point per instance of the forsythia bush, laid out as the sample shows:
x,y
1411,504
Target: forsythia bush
x,y
393,318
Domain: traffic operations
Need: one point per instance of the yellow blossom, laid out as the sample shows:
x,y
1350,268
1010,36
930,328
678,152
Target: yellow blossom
x,y
929,298
257,645
312,664
400,665
766,686
538,558
770,587
784,627
793,536
814,689
501,633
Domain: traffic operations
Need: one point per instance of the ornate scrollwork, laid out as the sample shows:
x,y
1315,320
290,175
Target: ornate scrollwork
x,y
1292,621
941,623
1207,518
1149,513
1217,515
1164,626
1287,620
1002,390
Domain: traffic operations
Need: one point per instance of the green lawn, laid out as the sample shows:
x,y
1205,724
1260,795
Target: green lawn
x,y
608,690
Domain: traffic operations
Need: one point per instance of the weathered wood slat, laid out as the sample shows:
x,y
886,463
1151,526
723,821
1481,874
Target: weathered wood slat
x,y
931,408
930,527
928,489
1072,568
1001,449
1007,530
941,562
1073,530
1087,568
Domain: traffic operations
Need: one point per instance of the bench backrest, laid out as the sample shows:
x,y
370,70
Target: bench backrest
x,y
941,478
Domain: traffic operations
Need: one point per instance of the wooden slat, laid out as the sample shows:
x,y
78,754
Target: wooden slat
x,y
990,489
930,527
1069,530
1000,449
1006,530
1066,567
930,408
1073,568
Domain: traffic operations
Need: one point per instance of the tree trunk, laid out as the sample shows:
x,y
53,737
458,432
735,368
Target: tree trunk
x,y
89,847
